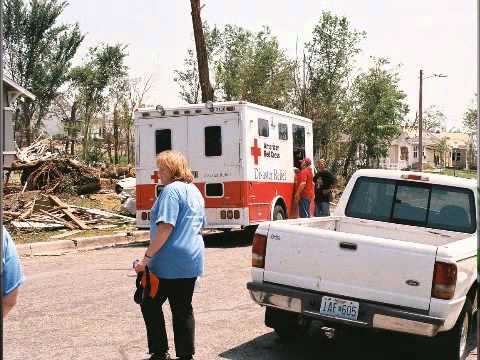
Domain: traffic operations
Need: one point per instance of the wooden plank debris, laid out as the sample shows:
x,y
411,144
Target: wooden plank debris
x,y
67,212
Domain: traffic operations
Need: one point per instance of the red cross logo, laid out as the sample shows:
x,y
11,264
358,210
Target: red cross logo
x,y
255,151
155,177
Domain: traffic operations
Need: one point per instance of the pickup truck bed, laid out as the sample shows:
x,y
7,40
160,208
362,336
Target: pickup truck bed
x,y
398,254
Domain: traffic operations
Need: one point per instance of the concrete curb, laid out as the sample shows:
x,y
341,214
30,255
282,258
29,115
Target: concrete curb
x,y
82,243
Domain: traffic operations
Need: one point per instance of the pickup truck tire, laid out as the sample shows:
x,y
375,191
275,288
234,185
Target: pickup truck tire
x,y
278,213
453,344
287,325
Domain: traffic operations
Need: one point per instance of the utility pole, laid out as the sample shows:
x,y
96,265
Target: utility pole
x,y
202,56
420,125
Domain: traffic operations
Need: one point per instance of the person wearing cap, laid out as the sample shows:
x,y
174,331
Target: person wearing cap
x,y
12,273
304,193
324,181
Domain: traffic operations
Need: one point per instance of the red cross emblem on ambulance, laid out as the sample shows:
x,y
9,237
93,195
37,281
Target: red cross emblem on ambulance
x,y
255,151
155,177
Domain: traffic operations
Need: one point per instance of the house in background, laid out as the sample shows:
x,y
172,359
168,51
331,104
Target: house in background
x,y
11,91
404,151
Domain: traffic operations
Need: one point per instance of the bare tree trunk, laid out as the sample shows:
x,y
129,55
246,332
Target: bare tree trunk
x,y
349,158
202,56
70,130
115,135
27,116
128,145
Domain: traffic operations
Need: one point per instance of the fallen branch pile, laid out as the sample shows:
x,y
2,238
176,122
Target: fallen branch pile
x,y
40,150
60,175
33,210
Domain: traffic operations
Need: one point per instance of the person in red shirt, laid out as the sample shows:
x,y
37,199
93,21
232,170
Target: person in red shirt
x,y
305,192
294,213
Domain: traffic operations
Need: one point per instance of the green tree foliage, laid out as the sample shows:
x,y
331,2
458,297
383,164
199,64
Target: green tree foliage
x,y
378,109
470,120
188,79
245,65
432,120
38,54
328,63
102,71
442,148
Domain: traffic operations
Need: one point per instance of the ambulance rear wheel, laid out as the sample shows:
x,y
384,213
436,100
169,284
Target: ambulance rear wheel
x,y
278,213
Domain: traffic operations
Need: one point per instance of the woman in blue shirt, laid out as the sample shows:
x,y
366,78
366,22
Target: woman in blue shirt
x,y
12,273
175,256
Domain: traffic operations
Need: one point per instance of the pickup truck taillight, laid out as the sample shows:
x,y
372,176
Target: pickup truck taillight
x,y
259,248
444,280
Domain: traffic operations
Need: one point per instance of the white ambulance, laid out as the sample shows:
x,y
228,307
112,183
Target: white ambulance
x,y
242,156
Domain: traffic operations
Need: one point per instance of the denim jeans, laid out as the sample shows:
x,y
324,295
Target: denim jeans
x,y
304,208
322,209
179,293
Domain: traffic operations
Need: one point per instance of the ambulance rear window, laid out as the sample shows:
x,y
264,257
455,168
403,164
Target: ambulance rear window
x,y
282,131
263,127
163,140
213,141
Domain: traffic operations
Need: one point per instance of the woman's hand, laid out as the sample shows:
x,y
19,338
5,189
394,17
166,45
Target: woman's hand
x,y
140,266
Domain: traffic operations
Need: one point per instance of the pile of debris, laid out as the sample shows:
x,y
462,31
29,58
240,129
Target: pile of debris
x,y
35,210
52,173
60,175
40,150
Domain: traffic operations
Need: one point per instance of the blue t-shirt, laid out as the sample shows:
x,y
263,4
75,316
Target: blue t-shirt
x,y
181,205
12,270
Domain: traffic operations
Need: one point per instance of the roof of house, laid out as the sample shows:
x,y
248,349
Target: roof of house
x,y
17,87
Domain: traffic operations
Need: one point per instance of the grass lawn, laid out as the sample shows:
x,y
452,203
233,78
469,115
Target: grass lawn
x,y
468,174
24,237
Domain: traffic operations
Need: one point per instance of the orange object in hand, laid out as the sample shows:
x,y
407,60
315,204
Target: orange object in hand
x,y
154,281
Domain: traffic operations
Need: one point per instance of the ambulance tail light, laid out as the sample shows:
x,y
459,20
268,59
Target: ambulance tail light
x,y
444,280
229,214
223,214
259,249
144,216
236,214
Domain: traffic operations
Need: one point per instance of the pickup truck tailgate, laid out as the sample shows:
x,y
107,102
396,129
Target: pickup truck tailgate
x,y
364,267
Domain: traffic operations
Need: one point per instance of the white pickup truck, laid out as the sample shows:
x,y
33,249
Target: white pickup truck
x,y
399,254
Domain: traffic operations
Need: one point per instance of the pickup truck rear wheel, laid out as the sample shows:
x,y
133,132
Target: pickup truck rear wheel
x,y
452,344
287,325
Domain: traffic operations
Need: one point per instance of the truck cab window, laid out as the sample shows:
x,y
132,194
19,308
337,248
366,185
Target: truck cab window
x,y
452,209
298,133
163,140
263,129
411,204
282,131
417,204
213,141
371,199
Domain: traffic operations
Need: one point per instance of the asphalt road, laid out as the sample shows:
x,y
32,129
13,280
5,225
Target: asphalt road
x,y
80,306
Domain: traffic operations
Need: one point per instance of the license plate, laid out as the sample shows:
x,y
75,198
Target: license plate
x,y
344,309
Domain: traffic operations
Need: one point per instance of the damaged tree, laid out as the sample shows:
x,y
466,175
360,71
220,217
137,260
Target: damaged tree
x,y
202,56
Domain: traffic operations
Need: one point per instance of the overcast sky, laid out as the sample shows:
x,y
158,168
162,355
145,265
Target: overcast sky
x,y
438,36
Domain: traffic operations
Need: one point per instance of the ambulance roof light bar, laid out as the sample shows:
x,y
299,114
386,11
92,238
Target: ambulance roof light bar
x,y
209,106
160,109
